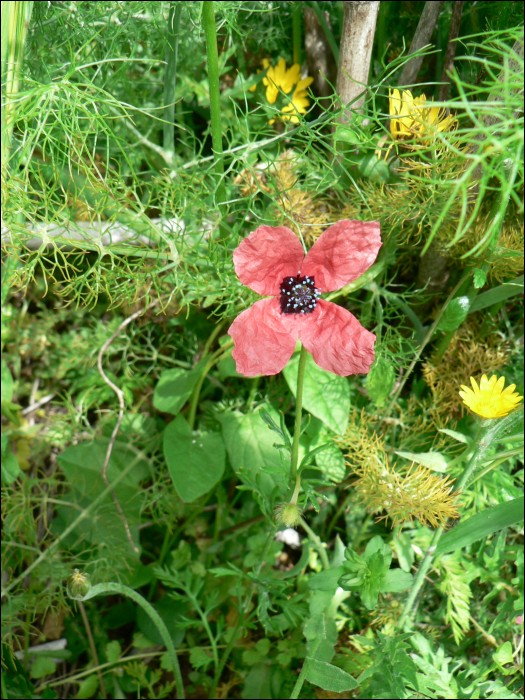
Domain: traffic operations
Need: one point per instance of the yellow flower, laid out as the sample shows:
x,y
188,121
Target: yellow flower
x,y
489,399
414,117
280,79
299,102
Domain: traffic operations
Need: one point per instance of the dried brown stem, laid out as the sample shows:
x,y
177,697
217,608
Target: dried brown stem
x,y
120,395
425,29
453,34
357,40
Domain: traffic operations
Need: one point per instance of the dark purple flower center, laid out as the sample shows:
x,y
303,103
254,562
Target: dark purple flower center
x,y
298,295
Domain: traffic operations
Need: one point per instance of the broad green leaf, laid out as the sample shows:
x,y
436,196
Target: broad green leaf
x,y
329,677
7,383
250,446
175,386
171,613
113,651
500,293
395,581
457,436
199,658
404,551
326,580
227,367
503,655
432,460
380,380
482,525
325,395
455,313
42,666
195,463
10,467
82,466
87,688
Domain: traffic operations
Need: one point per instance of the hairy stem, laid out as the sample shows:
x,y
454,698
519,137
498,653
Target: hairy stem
x,y
316,541
425,29
120,589
93,648
298,413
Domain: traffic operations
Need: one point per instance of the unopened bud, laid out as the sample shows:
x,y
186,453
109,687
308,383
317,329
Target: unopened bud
x,y
78,585
288,514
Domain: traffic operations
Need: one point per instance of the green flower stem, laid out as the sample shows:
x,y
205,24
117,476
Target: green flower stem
x,y
302,677
316,542
297,19
208,21
295,495
196,392
423,345
170,77
479,447
93,648
298,414
119,589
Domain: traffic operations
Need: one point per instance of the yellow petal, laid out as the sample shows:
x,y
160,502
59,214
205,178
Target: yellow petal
x,y
280,71
304,83
474,385
292,75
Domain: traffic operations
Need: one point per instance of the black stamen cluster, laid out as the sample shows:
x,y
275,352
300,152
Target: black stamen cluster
x,y
298,295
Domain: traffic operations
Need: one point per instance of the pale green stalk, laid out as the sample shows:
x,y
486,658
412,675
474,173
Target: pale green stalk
x,y
196,392
298,413
208,21
170,76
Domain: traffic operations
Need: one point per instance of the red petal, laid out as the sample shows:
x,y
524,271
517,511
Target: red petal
x,y
263,343
342,253
337,341
266,257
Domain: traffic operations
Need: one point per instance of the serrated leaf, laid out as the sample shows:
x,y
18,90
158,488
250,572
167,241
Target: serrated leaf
x,y
395,581
479,278
87,688
42,666
329,677
431,460
195,462
380,380
455,313
325,395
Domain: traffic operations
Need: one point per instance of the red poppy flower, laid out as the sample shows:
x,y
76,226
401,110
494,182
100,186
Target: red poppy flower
x,y
271,261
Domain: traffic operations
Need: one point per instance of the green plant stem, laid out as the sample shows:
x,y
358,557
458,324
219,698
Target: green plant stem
x,y
242,614
423,345
208,21
300,681
479,446
316,541
92,647
196,392
298,413
207,627
297,20
170,76
119,589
